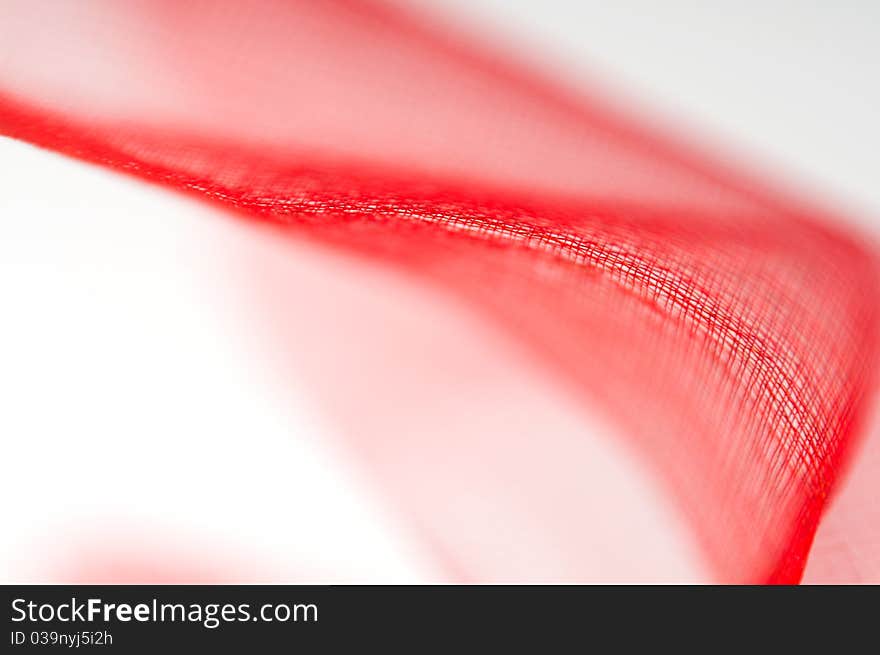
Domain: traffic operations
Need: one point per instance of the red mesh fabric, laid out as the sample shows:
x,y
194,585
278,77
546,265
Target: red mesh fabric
x,y
730,332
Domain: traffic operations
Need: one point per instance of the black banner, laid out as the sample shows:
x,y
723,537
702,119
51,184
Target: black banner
x,y
131,619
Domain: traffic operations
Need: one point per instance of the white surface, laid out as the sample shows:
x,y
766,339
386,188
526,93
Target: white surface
x,y
163,368
790,84
132,411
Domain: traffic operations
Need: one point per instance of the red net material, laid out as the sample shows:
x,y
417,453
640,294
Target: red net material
x,y
731,333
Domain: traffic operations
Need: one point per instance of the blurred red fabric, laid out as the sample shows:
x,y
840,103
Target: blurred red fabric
x,y
729,330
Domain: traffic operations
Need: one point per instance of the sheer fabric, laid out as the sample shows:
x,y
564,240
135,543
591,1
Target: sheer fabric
x,y
729,331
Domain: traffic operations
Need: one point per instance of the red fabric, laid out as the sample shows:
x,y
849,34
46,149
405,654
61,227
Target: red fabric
x,y
730,331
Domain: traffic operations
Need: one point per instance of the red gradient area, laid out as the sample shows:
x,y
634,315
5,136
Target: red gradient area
x,y
729,331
